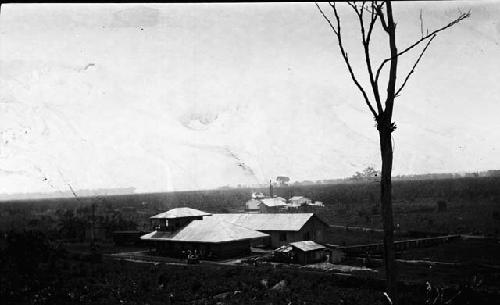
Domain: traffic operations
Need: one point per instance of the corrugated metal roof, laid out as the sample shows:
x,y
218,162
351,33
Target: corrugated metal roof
x,y
209,229
267,222
273,202
307,245
180,212
284,249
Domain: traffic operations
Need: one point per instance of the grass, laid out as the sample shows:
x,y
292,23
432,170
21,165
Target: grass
x,y
112,282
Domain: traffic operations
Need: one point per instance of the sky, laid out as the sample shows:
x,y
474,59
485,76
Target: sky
x,y
195,96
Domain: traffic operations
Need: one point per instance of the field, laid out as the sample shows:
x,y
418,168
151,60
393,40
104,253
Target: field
x,y
471,205
472,251
63,279
36,270
454,263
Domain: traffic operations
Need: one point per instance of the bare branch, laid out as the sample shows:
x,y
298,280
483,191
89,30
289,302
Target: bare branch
x,y
353,6
326,18
415,65
337,30
452,23
380,12
421,24
349,67
374,17
366,46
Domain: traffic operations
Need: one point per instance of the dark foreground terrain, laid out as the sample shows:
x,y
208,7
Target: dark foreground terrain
x,y
36,270
44,248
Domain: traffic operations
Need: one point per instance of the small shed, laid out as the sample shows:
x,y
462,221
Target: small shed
x,y
308,252
284,254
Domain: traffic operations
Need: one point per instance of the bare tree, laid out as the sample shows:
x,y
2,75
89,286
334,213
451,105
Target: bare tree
x,y
369,14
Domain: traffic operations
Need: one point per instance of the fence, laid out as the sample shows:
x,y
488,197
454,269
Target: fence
x,y
399,245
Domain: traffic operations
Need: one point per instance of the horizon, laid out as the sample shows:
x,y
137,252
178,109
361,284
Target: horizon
x,y
87,193
177,97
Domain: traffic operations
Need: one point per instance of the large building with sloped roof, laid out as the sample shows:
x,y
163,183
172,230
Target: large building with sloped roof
x,y
179,231
282,228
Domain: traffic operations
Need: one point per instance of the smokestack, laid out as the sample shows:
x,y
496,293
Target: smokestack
x,y
270,189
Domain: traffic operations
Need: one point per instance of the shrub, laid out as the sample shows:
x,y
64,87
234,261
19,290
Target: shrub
x,y
441,206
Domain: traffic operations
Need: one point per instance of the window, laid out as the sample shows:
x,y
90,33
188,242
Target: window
x,y
282,236
306,236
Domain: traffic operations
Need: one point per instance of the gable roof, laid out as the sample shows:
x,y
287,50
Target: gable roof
x,y
299,198
180,212
307,245
267,222
210,230
273,202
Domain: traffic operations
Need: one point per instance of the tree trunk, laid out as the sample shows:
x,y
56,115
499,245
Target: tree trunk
x,y
386,209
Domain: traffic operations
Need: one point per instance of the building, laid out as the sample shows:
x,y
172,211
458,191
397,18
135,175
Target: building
x,y
282,180
261,204
183,230
176,218
282,228
252,206
309,252
303,204
297,201
258,195
272,205
317,204
303,252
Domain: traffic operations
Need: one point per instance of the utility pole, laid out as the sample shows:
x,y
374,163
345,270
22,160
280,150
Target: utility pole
x,y
92,226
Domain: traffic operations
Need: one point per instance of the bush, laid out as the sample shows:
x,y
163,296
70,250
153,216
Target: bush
x,y
441,206
25,251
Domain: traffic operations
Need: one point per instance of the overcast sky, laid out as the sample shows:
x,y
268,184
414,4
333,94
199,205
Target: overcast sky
x,y
173,97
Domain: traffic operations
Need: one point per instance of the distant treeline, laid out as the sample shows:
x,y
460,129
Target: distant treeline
x,y
411,190
232,200
69,194
369,174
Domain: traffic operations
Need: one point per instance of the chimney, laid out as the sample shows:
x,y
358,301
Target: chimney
x,y
270,189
